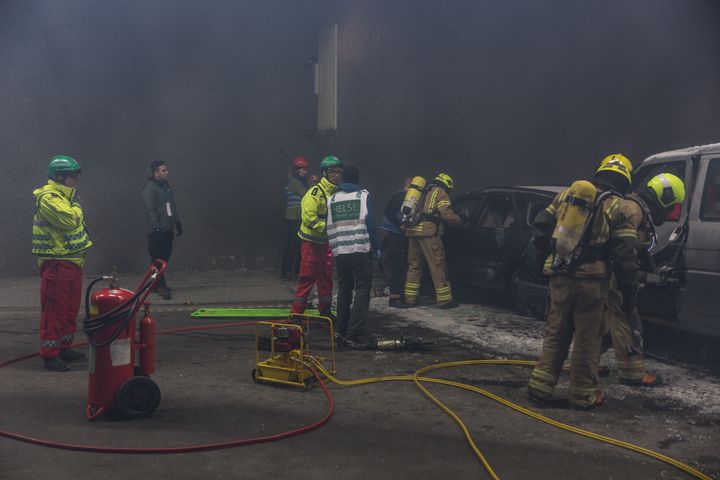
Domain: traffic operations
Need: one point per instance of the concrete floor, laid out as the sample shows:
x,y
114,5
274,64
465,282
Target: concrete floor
x,y
380,431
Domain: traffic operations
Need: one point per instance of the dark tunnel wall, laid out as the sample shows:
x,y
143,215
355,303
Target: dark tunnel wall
x,y
523,91
493,92
222,91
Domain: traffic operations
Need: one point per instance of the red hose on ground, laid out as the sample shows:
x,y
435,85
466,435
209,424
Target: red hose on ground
x,y
185,449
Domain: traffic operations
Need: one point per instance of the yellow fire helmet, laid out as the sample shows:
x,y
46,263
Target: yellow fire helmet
x,y
446,180
617,162
668,189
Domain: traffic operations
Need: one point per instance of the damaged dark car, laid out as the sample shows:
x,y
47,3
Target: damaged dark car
x,y
494,252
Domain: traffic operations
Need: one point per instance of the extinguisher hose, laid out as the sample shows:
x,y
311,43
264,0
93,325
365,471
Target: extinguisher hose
x,y
122,314
87,295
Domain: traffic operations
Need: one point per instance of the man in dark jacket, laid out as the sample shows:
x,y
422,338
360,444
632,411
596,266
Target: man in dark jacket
x,y
162,217
296,187
395,245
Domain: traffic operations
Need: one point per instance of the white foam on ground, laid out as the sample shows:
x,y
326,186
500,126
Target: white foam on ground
x,y
506,334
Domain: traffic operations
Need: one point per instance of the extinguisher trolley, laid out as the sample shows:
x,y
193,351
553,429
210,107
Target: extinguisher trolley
x,y
122,353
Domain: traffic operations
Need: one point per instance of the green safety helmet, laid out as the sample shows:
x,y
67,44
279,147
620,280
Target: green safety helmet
x,y
329,162
667,188
62,165
446,180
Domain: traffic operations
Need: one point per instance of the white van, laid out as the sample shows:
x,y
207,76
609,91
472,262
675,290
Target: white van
x,y
686,292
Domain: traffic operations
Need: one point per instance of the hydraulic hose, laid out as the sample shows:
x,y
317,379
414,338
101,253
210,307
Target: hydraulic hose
x,y
318,367
418,380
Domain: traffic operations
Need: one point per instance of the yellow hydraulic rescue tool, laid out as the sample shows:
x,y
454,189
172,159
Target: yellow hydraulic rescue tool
x,y
280,357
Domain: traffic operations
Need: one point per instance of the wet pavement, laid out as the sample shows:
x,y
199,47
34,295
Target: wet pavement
x,y
385,431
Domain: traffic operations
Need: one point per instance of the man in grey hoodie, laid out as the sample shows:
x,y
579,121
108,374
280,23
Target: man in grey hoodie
x,y
162,218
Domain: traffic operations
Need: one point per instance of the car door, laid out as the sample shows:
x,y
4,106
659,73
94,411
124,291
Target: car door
x,y
702,251
664,301
459,250
528,206
682,168
492,237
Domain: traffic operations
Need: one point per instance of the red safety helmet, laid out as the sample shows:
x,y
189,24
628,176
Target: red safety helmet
x,y
300,162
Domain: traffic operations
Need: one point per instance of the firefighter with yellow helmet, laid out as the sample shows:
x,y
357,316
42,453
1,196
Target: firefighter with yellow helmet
x,y
649,206
425,246
582,235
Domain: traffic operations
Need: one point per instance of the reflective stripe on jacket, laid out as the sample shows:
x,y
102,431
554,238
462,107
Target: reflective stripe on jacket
x,y
314,212
59,231
436,204
614,233
347,222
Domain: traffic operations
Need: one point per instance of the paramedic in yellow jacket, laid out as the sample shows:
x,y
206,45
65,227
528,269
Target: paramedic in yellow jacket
x,y
59,239
316,261
425,246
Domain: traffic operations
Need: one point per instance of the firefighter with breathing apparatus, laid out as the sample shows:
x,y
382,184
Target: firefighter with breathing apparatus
x,y
59,239
584,233
316,262
649,206
425,210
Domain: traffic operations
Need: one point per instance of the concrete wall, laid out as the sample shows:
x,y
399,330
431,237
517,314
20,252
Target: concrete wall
x,y
219,90
493,92
522,91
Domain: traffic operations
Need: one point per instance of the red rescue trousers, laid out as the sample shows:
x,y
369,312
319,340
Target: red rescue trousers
x,y
316,265
60,294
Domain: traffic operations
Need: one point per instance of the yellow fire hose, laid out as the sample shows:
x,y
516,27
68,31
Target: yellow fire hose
x,y
419,380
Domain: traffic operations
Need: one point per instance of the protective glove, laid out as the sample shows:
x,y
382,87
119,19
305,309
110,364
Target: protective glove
x,y
178,227
463,220
378,254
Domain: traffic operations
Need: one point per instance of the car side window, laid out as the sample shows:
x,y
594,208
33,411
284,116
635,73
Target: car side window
x,y
466,206
530,205
497,212
710,204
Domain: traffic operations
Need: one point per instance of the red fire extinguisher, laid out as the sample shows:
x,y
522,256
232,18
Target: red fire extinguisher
x,y
116,383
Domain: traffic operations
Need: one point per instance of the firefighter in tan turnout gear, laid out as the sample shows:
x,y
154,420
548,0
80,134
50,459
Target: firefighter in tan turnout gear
x,y
584,231
425,246
650,206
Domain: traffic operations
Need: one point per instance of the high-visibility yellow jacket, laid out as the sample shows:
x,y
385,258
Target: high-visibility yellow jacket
x,y
436,210
612,240
58,228
314,212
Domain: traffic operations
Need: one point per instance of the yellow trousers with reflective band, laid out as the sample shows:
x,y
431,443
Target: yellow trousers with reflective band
x,y
427,251
630,364
576,315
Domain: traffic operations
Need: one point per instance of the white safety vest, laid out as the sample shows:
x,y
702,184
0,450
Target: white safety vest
x,y
346,223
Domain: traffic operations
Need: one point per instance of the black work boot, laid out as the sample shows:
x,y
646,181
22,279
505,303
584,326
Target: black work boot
x,y
70,355
55,364
164,291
